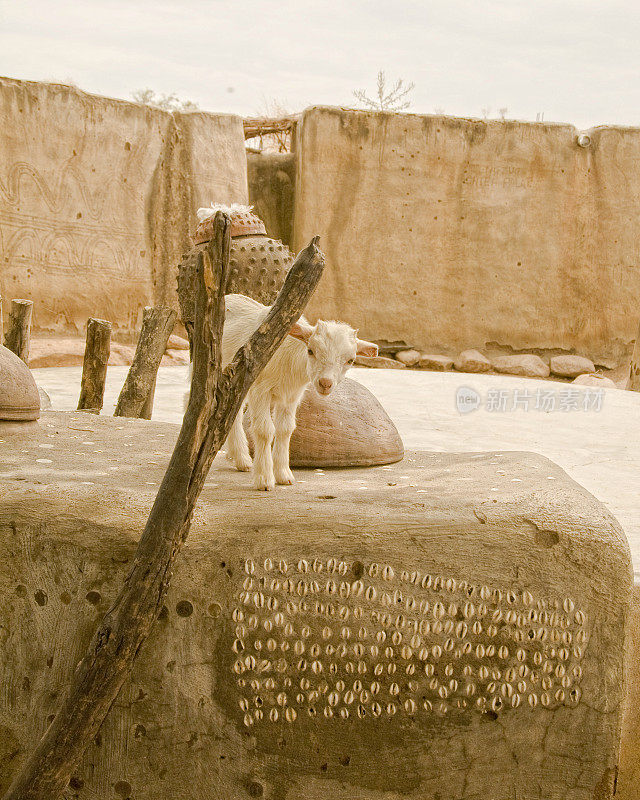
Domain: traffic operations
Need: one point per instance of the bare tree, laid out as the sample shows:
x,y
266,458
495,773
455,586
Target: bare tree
x,y
503,112
215,399
166,102
394,99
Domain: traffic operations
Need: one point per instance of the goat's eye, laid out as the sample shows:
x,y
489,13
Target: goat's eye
x,y
351,361
310,352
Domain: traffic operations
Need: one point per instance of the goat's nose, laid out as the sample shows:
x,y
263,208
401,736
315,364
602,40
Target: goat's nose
x,y
326,383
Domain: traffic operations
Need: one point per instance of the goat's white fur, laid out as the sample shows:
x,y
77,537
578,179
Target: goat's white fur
x,y
318,354
232,208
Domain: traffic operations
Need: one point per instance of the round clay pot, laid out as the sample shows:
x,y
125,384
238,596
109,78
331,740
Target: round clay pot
x,y
348,428
259,266
258,263
19,396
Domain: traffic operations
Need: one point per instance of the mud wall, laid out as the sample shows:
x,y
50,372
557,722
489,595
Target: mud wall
x,y
98,197
451,233
272,178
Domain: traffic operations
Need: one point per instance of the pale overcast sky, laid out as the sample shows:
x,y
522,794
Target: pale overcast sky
x,y
575,60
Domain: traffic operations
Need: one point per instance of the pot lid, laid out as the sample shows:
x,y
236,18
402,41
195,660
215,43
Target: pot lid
x,y
243,223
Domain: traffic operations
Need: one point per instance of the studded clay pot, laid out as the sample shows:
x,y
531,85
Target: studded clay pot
x,y
258,263
19,396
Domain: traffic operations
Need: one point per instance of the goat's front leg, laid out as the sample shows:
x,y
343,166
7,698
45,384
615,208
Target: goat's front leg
x,y
262,430
284,419
237,447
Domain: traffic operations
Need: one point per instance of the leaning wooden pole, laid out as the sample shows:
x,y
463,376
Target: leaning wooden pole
x,y
139,386
94,367
18,335
215,399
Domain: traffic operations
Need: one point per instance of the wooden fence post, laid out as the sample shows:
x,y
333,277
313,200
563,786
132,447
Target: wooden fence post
x,y
18,334
136,397
94,367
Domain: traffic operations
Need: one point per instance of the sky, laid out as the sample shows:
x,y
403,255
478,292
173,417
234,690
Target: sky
x,y
575,61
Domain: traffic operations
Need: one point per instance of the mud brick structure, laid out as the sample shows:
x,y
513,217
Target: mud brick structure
x,y
451,625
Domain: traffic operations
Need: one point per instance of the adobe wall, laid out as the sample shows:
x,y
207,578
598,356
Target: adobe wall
x,y
449,233
272,178
98,196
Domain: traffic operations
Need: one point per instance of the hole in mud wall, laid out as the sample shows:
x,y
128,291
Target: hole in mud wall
x,y
123,788
184,608
93,597
41,597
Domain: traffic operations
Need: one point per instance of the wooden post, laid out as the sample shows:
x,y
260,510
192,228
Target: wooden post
x,y
215,399
1,322
94,367
634,369
18,334
136,396
147,408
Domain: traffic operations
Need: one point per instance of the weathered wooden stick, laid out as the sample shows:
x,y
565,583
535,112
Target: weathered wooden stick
x,y
634,369
94,367
214,400
147,408
18,334
157,325
1,322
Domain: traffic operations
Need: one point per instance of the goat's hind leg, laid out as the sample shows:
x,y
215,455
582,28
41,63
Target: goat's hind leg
x,y
262,431
237,446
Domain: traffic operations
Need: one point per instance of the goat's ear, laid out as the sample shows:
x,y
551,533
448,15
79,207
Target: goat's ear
x,y
301,330
364,348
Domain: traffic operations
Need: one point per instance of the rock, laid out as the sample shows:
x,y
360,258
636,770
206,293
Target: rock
x,y
316,563
436,363
408,357
121,355
569,366
175,358
593,379
69,352
177,343
56,353
379,361
45,400
527,364
472,361
389,349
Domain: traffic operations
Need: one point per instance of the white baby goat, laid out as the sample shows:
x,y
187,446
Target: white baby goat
x,y
318,354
